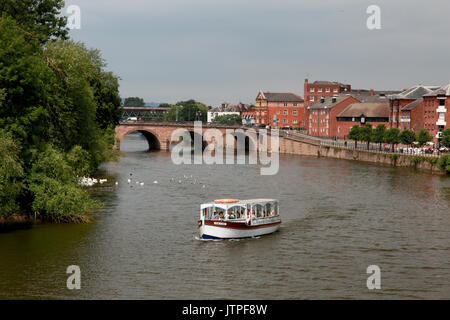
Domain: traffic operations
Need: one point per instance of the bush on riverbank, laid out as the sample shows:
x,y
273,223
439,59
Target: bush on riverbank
x,y
58,109
444,163
11,174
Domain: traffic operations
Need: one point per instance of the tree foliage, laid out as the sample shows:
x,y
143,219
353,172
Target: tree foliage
x,y
11,174
392,136
58,103
354,134
378,134
365,134
133,102
407,136
189,110
446,138
229,119
423,137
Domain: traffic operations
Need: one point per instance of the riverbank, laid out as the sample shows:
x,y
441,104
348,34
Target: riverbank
x,y
307,147
16,221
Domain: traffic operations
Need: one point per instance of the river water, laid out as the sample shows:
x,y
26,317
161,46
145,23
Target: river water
x,y
339,217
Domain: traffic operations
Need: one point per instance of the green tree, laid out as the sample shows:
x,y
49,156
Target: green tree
x,y
11,174
378,134
133,102
354,134
365,134
445,139
189,110
392,136
57,197
40,18
423,137
229,119
407,136
444,163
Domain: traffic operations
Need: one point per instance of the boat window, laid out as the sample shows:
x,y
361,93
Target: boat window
x,y
236,212
259,209
275,208
209,213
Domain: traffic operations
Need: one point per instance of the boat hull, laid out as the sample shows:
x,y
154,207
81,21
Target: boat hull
x,y
234,230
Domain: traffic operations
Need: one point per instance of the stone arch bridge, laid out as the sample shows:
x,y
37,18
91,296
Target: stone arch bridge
x,y
159,136
159,133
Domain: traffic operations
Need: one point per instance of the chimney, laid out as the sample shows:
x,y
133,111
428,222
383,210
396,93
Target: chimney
x,y
371,92
306,80
223,106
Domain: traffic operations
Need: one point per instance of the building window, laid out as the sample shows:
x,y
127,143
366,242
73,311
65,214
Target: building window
x,y
295,104
311,90
285,112
278,111
294,112
285,104
335,90
320,90
284,120
294,121
311,98
328,89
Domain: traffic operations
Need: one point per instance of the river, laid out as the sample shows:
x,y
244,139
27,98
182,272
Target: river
x,y
338,216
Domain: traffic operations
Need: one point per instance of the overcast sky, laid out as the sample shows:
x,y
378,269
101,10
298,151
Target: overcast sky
x,y
227,50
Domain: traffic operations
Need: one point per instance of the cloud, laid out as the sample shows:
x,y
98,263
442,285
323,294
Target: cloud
x,y
168,50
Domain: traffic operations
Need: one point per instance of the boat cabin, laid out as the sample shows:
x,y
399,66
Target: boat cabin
x,y
239,210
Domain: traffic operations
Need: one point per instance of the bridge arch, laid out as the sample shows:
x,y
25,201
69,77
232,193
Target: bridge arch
x,y
153,139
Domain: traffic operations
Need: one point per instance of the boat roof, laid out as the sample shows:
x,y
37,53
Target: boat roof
x,y
237,202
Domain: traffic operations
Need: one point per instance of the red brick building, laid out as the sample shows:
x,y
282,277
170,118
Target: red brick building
x,y
280,109
318,89
322,115
405,112
373,113
436,114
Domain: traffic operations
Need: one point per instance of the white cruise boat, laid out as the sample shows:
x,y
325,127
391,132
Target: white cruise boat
x,y
233,219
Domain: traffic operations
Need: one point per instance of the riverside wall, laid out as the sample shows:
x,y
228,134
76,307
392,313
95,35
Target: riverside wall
x,y
304,147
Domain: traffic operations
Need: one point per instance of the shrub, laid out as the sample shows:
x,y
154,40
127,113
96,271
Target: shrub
x,y
444,163
11,174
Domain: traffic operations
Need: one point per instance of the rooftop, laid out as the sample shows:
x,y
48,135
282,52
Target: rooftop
x,y
444,91
328,102
282,97
413,104
368,109
415,92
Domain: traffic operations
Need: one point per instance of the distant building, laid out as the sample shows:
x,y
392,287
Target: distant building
x,y
436,107
244,110
406,107
363,113
280,109
322,115
321,89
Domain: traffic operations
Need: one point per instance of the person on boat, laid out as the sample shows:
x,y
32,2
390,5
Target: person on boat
x,y
253,214
232,215
220,215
